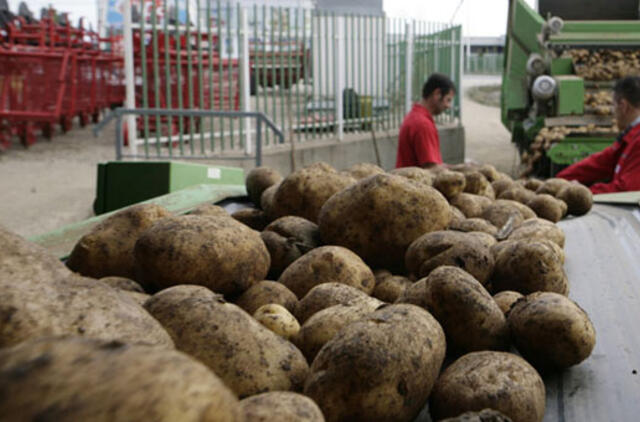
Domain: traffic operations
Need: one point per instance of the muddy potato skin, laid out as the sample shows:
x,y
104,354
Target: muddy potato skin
x,y
380,216
501,185
471,205
547,207
485,415
539,228
267,201
499,213
380,368
416,174
506,299
551,331
287,239
488,379
277,319
260,179
552,186
210,210
415,294
58,382
578,198
304,192
252,218
528,266
328,264
107,250
248,357
474,225
450,183
216,252
265,292
517,193
456,216
476,183
531,184
280,406
449,247
468,314
390,288
122,283
329,294
364,170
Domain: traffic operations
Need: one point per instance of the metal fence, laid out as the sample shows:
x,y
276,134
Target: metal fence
x,y
484,64
315,74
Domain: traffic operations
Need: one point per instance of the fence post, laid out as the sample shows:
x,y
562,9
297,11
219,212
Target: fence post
x,y
408,67
245,64
460,75
129,77
258,140
338,73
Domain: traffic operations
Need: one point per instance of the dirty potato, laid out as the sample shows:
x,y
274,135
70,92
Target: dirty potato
x,y
326,295
471,205
416,174
389,289
450,183
578,198
547,207
517,193
265,292
506,299
552,186
538,228
123,283
277,319
280,406
252,218
210,210
267,202
260,179
474,225
287,239
364,170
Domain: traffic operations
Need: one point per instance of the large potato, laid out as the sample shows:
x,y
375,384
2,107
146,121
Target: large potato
x,y
528,266
39,297
417,174
329,294
578,198
210,210
267,202
380,368
328,264
450,183
249,358
380,216
474,225
266,292
280,406
500,213
459,249
470,317
471,205
76,379
122,283
217,252
108,248
496,380
547,207
364,170
551,330
287,239
552,186
277,319
303,192
260,179
538,228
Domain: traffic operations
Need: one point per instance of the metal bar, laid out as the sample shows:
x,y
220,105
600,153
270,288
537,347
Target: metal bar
x,y
156,72
328,66
243,25
258,142
283,71
290,73
130,98
200,77
408,67
229,72
315,45
179,79
167,67
264,64
145,93
118,138
299,68
273,63
220,104
240,36
189,76
338,55
306,71
352,77
371,65
210,72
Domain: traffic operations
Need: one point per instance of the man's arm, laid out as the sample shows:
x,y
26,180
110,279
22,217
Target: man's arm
x,y
629,177
427,147
594,168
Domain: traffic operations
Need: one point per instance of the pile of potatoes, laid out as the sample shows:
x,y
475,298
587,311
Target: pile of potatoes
x,y
604,64
356,295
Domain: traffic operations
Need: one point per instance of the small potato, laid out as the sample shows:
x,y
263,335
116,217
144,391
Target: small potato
x,y
552,186
266,292
547,207
123,283
471,205
498,380
260,179
578,198
450,183
280,406
517,193
277,319
475,183
329,294
485,415
415,174
415,294
489,172
456,215
364,170
506,299
551,331
210,210
526,212
531,184
252,218
501,185
474,225
287,239
538,228
267,202
390,288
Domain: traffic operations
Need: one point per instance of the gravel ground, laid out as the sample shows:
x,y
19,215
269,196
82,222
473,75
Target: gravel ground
x,y
53,183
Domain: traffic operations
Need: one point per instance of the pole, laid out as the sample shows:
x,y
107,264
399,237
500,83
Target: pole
x,y
408,67
244,75
338,73
130,100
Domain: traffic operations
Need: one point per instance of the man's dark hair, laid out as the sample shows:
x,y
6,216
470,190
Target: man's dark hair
x,y
629,89
435,81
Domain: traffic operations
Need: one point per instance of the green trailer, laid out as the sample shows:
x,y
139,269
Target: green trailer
x,y
540,88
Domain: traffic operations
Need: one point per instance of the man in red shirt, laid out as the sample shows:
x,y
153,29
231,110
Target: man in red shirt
x,y
618,165
418,141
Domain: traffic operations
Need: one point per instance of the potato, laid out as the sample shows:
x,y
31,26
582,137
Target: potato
x,y
459,249
252,218
474,225
456,215
415,294
526,212
503,176
488,192
531,184
39,297
329,294
415,174
517,193
527,266
475,183
267,202
380,368
578,198
552,186
471,205
328,264
77,379
123,283
484,238
364,170
471,319
489,172
506,299
380,216
303,192
390,288
485,415
287,239
260,179
538,228
139,298
547,207
217,252
249,358
107,250
324,325
502,381
280,406
266,292
210,210
501,185
450,183
500,213
277,319
551,331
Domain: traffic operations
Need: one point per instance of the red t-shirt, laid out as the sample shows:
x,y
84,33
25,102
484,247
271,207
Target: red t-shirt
x,y
418,141
619,163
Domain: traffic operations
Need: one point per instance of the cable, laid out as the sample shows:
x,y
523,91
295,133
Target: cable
x,y
456,12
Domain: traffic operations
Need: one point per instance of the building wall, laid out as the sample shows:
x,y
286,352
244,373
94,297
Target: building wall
x,y
368,7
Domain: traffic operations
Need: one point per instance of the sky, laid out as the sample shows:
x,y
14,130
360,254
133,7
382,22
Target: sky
x,y
478,17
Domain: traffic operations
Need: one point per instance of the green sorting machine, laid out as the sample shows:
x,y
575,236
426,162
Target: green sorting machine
x,y
539,86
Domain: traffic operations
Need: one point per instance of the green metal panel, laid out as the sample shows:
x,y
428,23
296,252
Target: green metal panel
x,y
562,66
125,183
618,27
572,150
570,95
